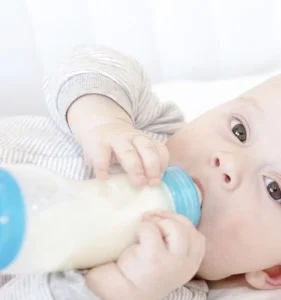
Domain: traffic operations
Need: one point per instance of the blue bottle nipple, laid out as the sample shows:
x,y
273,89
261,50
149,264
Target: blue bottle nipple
x,y
184,193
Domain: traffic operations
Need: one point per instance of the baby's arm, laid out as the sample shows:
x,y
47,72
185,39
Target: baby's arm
x,y
96,85
97,70
109,283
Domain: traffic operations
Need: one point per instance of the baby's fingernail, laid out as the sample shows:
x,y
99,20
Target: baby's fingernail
x,y
154,212
154,181
102,175
139,181
143,179
154,218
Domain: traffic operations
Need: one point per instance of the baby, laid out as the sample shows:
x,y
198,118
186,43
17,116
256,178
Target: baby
x,y
105,118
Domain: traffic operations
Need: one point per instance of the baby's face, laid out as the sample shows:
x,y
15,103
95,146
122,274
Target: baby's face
x,y
234,150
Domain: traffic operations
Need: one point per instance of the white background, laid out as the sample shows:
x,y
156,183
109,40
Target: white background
x,y
173,39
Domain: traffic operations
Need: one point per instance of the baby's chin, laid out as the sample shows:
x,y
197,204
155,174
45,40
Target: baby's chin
x,y
209,274
213,268
229,282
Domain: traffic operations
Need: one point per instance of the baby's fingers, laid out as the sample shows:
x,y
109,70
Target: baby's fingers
x,y
130,160
175,235
150,237
100,156
149,157
165,214
163,154
180,235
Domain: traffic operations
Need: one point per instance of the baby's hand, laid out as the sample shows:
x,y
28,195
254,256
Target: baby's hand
x,y
168,255
117,141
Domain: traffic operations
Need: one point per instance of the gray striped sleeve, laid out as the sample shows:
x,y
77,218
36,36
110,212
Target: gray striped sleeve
x,y
71,286
55,286
100,70
194,290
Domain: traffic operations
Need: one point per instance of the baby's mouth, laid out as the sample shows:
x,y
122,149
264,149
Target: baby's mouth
x,y
200,189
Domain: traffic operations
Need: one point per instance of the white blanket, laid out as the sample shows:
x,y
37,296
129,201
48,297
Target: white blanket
x,y
244,293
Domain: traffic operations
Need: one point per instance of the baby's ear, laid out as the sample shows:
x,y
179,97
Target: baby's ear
x,y
268,279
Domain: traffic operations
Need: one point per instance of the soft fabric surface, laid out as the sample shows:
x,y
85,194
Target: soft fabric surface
x,y
243,293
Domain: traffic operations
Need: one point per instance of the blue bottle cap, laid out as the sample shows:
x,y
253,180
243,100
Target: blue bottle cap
x,y
12,219
184,193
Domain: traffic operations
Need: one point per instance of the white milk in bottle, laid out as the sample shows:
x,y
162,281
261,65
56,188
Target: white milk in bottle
x,y
49,223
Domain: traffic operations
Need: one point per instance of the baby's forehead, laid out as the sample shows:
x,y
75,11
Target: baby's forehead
x,y
262,111
266,95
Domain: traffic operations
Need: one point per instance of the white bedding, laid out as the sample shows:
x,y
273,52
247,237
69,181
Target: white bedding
x,y
243,293
195,98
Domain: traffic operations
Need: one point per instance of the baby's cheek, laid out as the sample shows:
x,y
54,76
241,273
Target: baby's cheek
x,y
229,226
231,234
244,239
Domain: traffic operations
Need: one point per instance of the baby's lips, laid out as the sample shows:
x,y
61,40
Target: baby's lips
x,y
199,189
199,194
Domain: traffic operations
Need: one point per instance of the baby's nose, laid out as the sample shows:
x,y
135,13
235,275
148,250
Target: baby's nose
x,y
225,166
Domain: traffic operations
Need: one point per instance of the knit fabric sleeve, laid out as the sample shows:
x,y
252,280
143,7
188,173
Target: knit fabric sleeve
x,y
99,70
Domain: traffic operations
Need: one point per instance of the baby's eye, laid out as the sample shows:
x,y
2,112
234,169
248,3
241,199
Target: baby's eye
x,y
273,188
239,130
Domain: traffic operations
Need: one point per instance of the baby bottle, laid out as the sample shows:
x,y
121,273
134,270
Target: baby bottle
x,y
50,223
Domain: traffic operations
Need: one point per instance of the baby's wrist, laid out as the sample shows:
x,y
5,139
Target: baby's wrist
x,y
91,110
137,291
108,283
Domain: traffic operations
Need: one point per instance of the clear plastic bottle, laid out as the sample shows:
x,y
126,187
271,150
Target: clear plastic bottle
x,y
50,223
